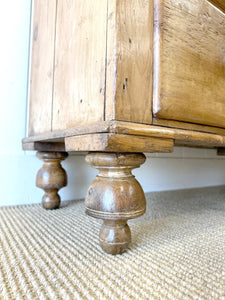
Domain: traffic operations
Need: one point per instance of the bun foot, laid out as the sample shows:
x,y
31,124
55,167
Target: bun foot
x,y
115,196
51,177
115,236
51,199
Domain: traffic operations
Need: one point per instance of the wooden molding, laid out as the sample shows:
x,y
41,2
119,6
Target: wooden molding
x,y
110,142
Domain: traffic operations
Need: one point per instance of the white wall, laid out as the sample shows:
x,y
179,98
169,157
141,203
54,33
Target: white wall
x,y
185,168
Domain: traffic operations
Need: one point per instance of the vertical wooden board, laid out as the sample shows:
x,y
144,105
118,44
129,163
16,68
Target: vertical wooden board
x,y
129,60
42,62
79,85
189,83
111,65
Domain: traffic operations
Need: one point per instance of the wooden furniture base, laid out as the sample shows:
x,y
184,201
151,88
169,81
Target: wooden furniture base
x,y
118,78
115,196
115,149
51,177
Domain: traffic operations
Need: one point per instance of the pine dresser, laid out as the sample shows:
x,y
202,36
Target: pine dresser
x,y
116,79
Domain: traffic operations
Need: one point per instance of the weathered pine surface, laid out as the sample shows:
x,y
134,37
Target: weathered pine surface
x,y
42,66
189,74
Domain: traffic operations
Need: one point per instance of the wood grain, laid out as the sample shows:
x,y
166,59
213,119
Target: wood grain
x,y
118,143
194,138
129,61
189,81
189,126
51,177
59,135
79,63
42,65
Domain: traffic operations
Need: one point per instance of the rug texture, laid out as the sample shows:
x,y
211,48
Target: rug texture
x,y
177,251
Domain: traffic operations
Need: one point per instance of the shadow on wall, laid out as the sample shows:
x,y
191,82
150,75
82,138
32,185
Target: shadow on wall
x,y
80,176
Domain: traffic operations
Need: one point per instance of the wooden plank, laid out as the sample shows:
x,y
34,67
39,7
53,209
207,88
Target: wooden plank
x,y
189,81
193,138
78,130
118,143
45,146
42,61
189,126
220,4
80,63
129,61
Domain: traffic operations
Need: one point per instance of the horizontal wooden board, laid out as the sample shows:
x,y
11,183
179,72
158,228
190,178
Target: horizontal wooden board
x,y
99,127
189,64
118,143
128,129
194,138
189,126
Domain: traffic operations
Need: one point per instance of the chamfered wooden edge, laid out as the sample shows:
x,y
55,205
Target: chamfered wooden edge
x,y
220,4
123,137
180,136
110,142
187,126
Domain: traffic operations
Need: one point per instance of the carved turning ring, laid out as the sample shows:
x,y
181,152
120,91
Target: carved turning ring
x,y
115,196
51,177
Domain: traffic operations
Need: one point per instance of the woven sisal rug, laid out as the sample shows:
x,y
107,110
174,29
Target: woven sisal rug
x,y
178,251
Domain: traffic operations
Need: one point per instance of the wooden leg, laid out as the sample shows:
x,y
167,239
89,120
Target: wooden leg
x,y
51,177
115,196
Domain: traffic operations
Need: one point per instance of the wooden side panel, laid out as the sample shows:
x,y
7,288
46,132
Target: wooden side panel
x,y
189,83
79,86
129,60
42,61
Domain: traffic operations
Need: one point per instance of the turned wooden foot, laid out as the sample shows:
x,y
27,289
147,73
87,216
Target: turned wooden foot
x,y
51,177
115,196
